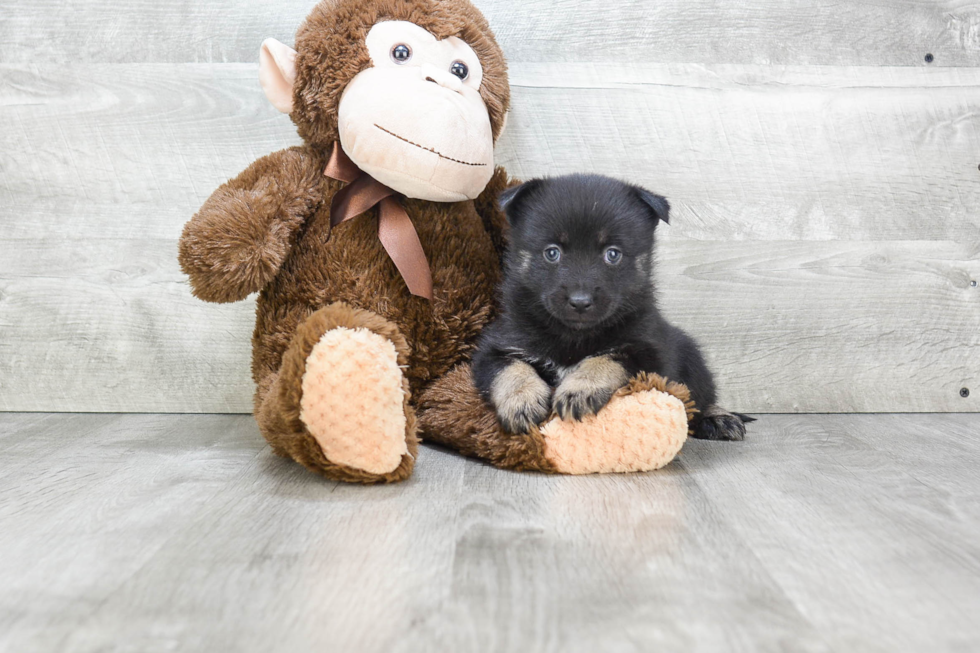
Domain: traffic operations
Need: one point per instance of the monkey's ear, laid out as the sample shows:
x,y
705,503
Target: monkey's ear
x,y
510,200
277,73
658,206
503,124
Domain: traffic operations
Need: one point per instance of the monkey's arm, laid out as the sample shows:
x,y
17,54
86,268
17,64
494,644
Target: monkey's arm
x,y
235,244
494,219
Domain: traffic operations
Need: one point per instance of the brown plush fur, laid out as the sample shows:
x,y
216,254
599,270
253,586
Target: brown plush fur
x,y
239,239
269,230
453,413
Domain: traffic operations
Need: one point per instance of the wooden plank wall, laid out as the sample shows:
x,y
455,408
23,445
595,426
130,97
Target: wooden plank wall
x,y
824,247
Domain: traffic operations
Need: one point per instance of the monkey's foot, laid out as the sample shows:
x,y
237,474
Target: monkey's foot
x,y
642,428
352,400
339,405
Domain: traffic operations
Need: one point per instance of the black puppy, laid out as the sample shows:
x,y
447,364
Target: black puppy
x,y
579,316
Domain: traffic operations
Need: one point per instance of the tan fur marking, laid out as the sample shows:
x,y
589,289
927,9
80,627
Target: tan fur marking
x,y
588,387
521,397
642,262
525,261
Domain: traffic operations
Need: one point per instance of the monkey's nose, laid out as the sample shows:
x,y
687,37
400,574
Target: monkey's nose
x,y
442,78
580,301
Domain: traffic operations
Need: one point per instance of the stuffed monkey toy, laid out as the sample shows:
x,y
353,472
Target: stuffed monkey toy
x,y
375,249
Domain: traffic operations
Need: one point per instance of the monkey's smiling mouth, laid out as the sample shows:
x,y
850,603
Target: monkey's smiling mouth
x,y
428,149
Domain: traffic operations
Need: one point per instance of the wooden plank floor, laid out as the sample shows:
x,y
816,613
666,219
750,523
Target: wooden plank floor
x,y
184,532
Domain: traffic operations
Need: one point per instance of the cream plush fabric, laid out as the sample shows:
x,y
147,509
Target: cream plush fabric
x,y
412,151
633,433
352,400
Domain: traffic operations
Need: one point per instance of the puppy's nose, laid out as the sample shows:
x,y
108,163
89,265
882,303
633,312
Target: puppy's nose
x,y
580,301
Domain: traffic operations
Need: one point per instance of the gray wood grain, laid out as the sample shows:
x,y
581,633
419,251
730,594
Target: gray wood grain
x,y
831,326
759,153
743,152
864,32
836,486
525,551
782,180
183,532
788,326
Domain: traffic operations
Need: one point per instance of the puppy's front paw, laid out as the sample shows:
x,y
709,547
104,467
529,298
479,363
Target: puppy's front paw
x,y
588,387
521,397
718,424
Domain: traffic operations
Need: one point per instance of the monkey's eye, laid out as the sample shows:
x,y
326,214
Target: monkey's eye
x,y
552,254
460,69
401,53
612,256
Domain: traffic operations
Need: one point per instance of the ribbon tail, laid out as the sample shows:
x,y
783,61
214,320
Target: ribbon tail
x,y
395,229
399,238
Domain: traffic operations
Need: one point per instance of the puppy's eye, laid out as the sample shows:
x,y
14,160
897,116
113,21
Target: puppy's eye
x,y
460,69
612,256
401,53
552,254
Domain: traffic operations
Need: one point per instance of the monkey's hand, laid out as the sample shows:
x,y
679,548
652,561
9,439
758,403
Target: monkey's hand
x,y
521,398
588,387
243,233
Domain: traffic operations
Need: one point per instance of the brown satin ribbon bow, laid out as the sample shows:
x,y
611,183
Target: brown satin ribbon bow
x,y
395,229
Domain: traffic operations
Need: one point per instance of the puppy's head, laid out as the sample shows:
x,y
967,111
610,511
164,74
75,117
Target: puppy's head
x,y
580,247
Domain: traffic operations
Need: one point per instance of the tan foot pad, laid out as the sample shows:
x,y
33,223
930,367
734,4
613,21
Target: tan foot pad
x,y
642,428
352,400
633,433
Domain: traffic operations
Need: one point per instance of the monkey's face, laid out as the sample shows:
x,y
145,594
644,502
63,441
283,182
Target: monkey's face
x,y
415,120
417,104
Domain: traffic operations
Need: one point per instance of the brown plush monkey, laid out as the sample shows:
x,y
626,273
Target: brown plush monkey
x,y
414,93
375,249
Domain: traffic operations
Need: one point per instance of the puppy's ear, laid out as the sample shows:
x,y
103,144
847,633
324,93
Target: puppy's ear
x,y
658,206
511,200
